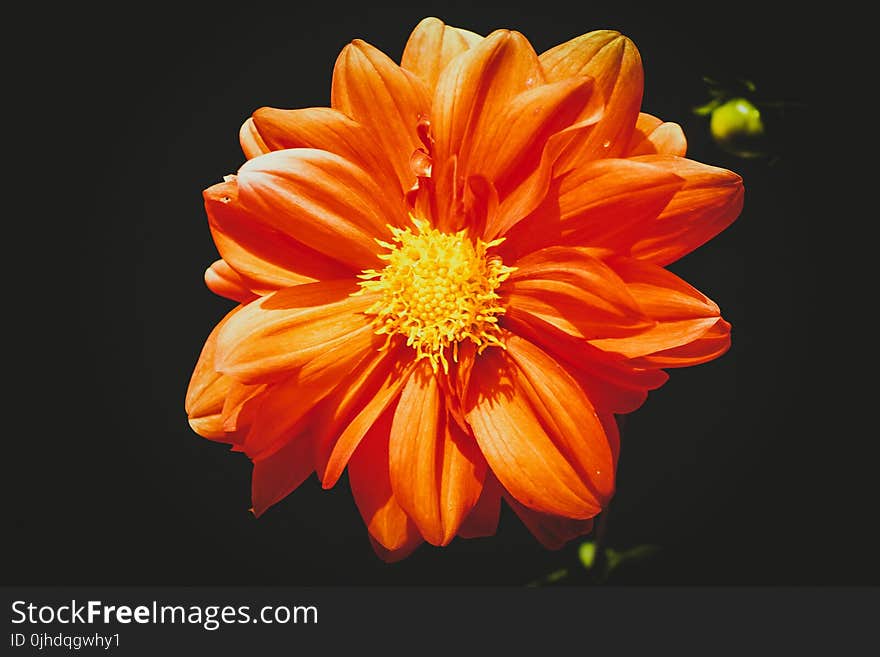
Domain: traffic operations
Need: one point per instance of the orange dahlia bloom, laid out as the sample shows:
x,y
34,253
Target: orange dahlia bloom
x,y
452,279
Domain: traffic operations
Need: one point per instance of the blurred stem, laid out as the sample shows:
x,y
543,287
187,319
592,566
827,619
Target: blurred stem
x,y
600,532
600,529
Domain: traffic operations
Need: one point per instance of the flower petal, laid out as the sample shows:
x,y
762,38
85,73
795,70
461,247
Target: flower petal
x,y
709,346
277,475
529,194
348,413
432,45
436,469
611,382
472,92
286,405
708,202
518,151
224,280
578,432
287,329
594,204
325,129
612,431
682,314
614,62
368,474
510,147
386,99
483,519
553,532
210,425
265,258
653,136
321,200
251,141
574,291
208,388
538,432
240,405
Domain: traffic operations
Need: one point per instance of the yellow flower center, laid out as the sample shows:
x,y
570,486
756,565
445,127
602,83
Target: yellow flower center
x,y
437,290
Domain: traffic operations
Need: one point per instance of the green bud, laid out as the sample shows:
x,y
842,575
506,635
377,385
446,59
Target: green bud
x,y
587,554
737,127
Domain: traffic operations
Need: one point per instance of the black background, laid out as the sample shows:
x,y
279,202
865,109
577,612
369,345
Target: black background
x,y
737,469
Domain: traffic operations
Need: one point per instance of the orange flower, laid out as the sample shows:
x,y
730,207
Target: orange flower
x,y
451,280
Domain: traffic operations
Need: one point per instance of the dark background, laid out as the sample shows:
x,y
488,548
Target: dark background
x,y
742,470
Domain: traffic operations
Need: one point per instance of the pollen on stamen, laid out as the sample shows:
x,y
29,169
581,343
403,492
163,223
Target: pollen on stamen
x,y
437,289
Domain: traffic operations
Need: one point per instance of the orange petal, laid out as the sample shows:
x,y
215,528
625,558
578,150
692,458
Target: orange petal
x,y
682,314
348,413
538,432
510,148
614,62
321,200
518,151
279,474
653,136
210,426
252,143
436,469
575,292
612,432
207,389
708,202
264,257
578,432
368,473
239,408
483,519
287,329
594,204
709,346
431,46
326,129
660,293
224,280
528,195
475,89
645,125
286,405
553,532
386,99
611,382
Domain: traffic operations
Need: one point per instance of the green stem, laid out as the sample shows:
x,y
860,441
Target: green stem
x,y
600,529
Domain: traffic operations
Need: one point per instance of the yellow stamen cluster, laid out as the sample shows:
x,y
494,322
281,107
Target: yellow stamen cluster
x,y
437,290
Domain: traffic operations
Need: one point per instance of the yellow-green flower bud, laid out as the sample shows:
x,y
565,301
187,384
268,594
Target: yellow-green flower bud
x,y
737,127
